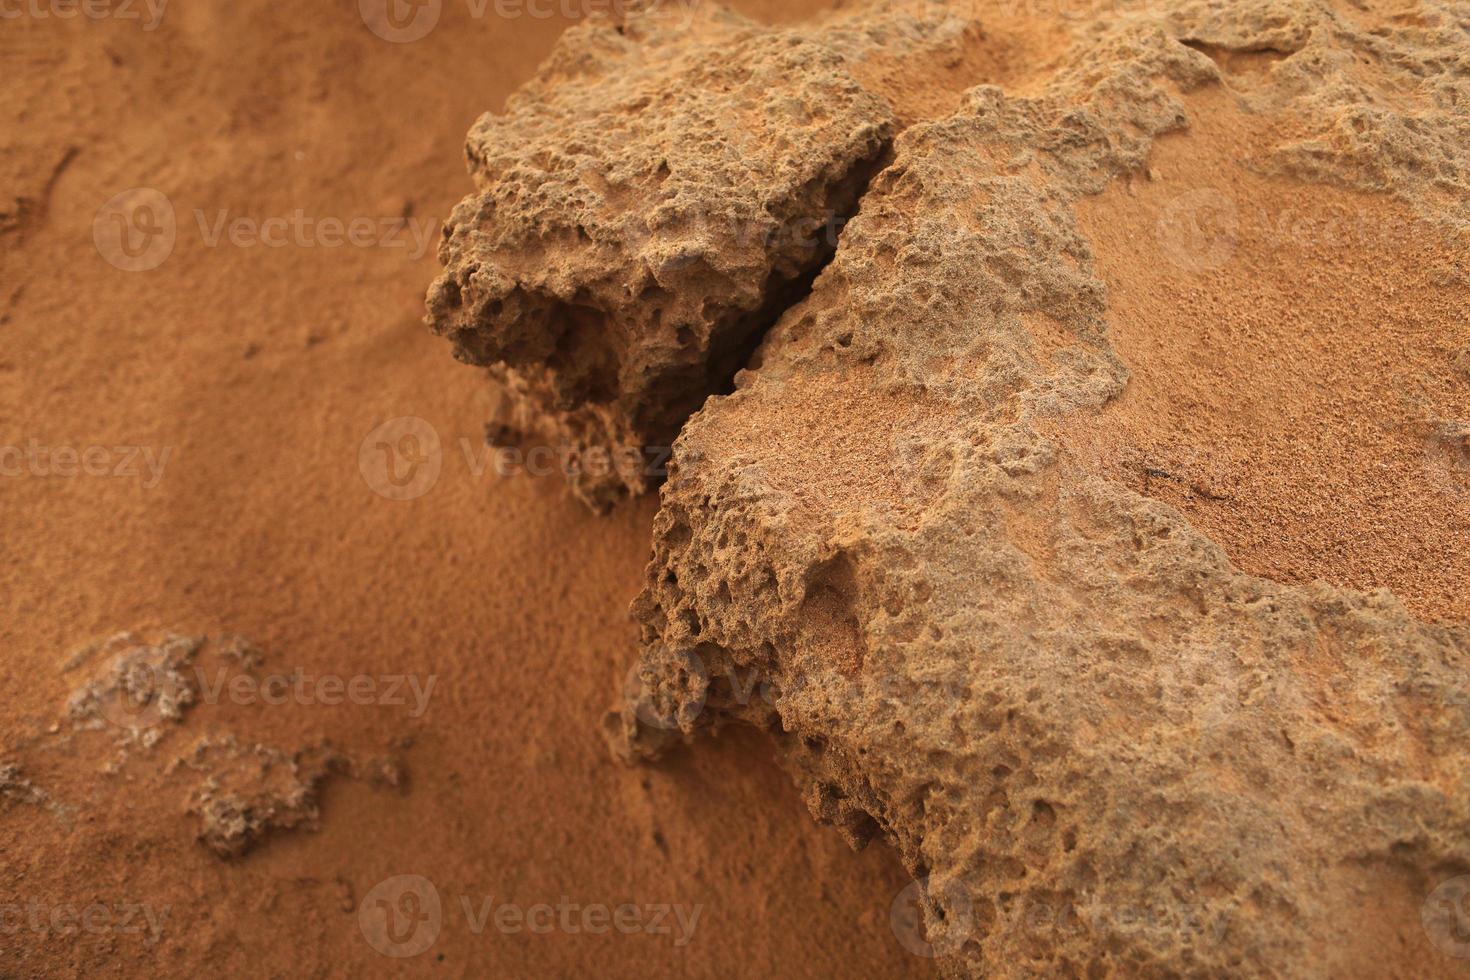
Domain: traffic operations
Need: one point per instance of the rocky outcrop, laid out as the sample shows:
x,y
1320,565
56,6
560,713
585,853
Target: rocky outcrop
x,y
1049,692
246,793
1101,747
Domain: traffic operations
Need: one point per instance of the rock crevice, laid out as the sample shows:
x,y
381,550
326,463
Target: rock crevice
x,y
1047,690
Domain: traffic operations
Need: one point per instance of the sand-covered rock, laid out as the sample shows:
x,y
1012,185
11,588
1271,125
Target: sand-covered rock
x,y
244,793
1051,692
928,542
144,694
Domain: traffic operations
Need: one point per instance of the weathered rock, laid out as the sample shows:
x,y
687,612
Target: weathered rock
x,y
15,790
1059,700
1102,747
646,206
140,689
147,691
245,793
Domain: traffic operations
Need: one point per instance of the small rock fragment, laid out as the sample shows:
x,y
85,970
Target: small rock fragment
x,y
247,793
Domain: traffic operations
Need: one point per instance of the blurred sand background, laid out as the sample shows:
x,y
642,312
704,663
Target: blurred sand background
x,y
260,371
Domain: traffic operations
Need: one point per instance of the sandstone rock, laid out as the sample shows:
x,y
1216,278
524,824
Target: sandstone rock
x,y
141,687
14,789
145,690
1101,745
1050,692
646,206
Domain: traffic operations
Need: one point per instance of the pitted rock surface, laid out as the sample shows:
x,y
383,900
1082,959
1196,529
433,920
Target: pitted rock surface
x,y
646,206
1050,692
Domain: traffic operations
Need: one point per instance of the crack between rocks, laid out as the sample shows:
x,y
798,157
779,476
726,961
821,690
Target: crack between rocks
x,y
785,294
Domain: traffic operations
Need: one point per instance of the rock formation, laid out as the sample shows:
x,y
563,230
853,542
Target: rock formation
x,y
646,206
1101,746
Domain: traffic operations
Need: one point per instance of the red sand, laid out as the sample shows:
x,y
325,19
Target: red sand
x,y
262,370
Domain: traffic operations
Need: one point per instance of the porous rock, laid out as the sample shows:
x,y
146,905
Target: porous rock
x,y
645,207
1058,700
1100,747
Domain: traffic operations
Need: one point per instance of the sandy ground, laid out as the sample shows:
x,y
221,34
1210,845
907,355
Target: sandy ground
x,y
228,479
1292,361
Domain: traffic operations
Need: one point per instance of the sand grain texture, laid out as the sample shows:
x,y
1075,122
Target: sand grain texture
x,y
265,369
